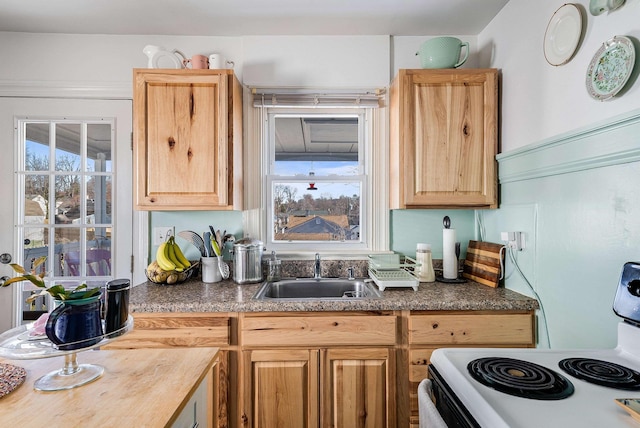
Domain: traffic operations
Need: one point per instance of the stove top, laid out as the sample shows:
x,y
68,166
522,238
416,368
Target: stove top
x,y
590,405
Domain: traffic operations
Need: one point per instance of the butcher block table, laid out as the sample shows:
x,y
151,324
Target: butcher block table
x,y
139,388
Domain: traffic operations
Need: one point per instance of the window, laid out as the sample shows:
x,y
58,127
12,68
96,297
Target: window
x,y
316,178
65,177
317,191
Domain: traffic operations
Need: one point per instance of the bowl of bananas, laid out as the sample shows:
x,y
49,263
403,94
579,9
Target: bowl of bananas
x,y
170,266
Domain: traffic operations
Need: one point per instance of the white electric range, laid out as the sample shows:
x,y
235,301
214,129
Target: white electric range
x,y
520,388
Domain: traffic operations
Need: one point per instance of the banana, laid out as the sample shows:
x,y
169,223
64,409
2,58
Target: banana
x,y
163,259
156,274
171,255
179,254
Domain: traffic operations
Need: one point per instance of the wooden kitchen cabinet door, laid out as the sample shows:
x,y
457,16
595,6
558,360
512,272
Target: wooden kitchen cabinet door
x,y
443,138
281,388
187,143
358,388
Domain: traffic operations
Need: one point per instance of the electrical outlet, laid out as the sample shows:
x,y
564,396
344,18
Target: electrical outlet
x,y
514,240
161,234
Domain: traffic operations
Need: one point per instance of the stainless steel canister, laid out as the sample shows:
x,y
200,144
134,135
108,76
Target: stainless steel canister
x,y
247,261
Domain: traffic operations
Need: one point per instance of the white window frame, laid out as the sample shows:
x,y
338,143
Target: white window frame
x,y
256,217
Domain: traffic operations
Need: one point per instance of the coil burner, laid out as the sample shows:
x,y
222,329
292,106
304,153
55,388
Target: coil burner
x,y
520,378
602,373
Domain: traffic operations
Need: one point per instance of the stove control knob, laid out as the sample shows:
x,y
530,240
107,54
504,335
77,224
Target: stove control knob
x,y
634,287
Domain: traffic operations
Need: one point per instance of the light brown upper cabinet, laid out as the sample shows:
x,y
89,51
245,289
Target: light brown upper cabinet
x,y
443,138
187,140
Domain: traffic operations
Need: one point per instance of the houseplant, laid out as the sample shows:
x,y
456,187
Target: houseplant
x,y
58,292
75,322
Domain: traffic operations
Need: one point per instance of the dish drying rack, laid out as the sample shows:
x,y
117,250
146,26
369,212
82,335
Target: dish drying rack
x,y
392,270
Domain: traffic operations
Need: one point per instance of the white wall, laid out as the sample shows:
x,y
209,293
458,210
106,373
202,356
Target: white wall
x,y
540,100
316,61
101,64
39,63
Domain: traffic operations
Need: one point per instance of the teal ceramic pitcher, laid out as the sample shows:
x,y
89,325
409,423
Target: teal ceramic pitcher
x,y
443,52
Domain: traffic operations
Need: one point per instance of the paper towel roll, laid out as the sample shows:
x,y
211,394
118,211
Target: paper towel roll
x,y
449,259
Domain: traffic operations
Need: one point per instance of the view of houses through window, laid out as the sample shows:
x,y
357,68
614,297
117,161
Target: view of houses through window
x,y
316,178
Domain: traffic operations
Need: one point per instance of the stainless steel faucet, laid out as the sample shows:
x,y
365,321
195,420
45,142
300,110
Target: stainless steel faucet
x,y
316,267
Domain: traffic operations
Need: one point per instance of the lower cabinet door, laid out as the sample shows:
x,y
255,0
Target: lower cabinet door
x,y
358,388
195,412
281,388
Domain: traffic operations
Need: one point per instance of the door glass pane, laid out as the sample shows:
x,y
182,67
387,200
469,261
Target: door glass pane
x,y
36,194
98,199
37,147
36,245
35,241
99,148
68,147
67,199
67,251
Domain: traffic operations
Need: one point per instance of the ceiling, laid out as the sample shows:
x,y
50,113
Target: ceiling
x,y
249,17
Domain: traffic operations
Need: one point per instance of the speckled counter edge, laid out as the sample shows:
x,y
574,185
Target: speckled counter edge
x,y
227,296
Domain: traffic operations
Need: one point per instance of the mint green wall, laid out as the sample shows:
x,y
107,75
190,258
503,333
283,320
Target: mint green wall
x,y
577,198
409,227
197,221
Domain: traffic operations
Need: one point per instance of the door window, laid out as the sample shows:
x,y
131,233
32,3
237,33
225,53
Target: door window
x,y
65,177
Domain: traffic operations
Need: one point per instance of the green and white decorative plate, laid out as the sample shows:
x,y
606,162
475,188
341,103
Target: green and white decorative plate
x,y
610,68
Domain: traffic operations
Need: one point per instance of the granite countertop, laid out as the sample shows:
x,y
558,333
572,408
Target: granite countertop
x,y
227,296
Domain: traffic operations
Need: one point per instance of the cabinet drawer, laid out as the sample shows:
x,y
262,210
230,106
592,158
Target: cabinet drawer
x,y
472,329
167,330
319,330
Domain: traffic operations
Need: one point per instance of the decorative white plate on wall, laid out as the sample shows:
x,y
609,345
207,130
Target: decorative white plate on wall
x,y
563,34
610,68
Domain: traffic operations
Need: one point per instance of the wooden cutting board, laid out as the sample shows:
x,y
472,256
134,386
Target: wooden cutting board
x,y
482,264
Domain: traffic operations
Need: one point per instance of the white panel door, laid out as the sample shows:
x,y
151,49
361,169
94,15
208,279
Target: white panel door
x,y
52,109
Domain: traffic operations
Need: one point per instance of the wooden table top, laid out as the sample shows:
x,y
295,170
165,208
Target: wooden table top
x,y
139,388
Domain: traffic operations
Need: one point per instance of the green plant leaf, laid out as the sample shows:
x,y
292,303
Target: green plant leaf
x,y
35,280
37,262
17,268
80,287
58,292
14,280
34,296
